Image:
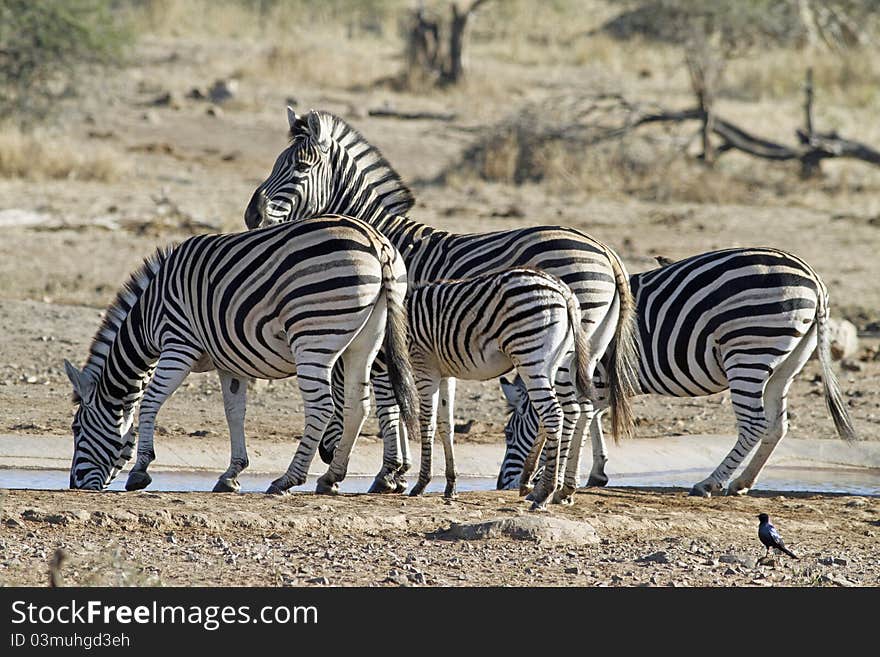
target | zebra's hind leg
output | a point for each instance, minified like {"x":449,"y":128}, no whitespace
{"x":747,"y":381}
{"x":600,"y":452}
{"x":776,"y":409}
{"x":543,"y":398}
{"x":358,"y":359}
{"x":174,"y":364}
{"x":574,"y":429}
{"x":234,"y":402}
{"x":313,"y":378}
{"x":389,"y":422}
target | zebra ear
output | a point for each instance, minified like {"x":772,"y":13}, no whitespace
{"x":291,"y":119}
{"x":317,"y":132}
{"x":83,"y":386}
{"x":516,"y":396}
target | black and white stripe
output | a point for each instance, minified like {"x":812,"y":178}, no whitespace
{"x":482,"y":327}
{"x":330,"y":167}
{"x":291,"y":299}
{"x":742,"y":319}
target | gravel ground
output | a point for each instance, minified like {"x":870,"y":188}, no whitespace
{"x":642,"y":538}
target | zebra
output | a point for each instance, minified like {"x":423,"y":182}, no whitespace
{"x":743,"y":319}
{"x":482,"y":327}
{"x":330,"y":167}
{"x":290,"y":299}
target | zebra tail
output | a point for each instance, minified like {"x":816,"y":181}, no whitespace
{"x":622,"y":355}
{"x":581,"y":359}
{"x":833,"y":396}
{"x":400,"y":372}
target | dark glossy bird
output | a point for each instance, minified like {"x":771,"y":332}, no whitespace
{"x":770,"y":537}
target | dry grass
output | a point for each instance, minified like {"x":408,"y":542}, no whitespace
{"x":41,"y":156}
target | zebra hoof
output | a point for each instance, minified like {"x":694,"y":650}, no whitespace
{"x":226,"y":485}
{"x":704,"y":489}
{"x":274,"y":489}
{"x":137,"y":480}
{"x":383,"y":484}
{"x":539,"y":507}
{"x":597,"y":481}
{"x":737,"y":488}
{"x":450,"y":493}
{"x":418,"y":489}
{"x":400,"y":484}
{"x":324,"y":487}
{"x":564,"y":495}
{"x":525,"y":491}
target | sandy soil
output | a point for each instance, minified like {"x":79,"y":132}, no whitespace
{"x":643,"y":538}
{"x":193,"y":172}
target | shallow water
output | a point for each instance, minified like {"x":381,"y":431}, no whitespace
{"x":837,"y":480}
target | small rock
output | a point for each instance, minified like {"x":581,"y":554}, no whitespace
{"x":837,"y":580}
{"x":833,"y":561}
{"x":573,"y":570}
{"x":323,"y":581}
{"x":223,"y":90}
{"x":12,"y":522}
{"x":654,"y":557}
{"x":851,"y":365}
{"x":214,"y":111}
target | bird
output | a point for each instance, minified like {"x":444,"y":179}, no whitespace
{"x":770,"y":537}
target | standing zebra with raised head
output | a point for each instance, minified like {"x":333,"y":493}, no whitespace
{"x":330,"y":167}
{"x":292,"y":299}
{"x":742,"y":319}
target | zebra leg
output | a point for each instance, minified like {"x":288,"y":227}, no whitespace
{"x":313,"y":378}
{"x":446,"y":427}
{"x":428,"y":400}
{"x":234,"y":403}
{"x":543,"y":398}
{"x":174,"y":364}
{"x":334,"y":429}
{"x":746,"y":390}
{"x":389,"y":421}
{"x":569,"y":451}
{"x":776,"y":409}
{"x":358,"y":358}
{"x":600,"y":451}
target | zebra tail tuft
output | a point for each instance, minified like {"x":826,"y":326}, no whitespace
{"x":833,"y":396}
{"x":400,"y":372}
{"x":623,"y":356}
{"x":580,"y":362}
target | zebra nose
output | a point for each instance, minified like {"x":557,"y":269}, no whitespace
{"x":252,"y":215}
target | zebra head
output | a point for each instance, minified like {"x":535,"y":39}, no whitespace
{"x":328,"y":168}
{"x":103,"y":440}
{"x":299,"y":185}
{"x":520,"y":433}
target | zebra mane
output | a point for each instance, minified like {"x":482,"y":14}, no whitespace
{"x":118,"y":310}
{"x":378,"y":174}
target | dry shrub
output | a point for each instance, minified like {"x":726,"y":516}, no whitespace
{"x":40,"y":156}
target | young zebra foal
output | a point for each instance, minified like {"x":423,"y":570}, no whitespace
{"x":270,"y":303}
{"x":743,"y":319}
{"x":482,"y":327}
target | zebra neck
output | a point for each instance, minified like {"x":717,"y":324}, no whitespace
{"x":403,"y":231}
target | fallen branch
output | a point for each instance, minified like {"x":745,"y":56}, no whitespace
{"x":384,"y":112}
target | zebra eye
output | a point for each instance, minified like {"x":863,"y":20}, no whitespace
{"x":301,"y":166}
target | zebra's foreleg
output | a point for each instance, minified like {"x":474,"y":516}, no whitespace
{"x":446,"y":427}
{"x":174,"y":364}
{"x":543,"y":398}
{"x":573,"y":437}
{"x":234,"y":403}
{"x":428,"y":386}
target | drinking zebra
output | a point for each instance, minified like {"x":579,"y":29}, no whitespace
{"x":291,"y":299}
{"x":742,"y":319}
{"x":330,"y":167}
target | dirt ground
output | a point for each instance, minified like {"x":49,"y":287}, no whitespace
{"x":643,"y":538}
{"x":186,"y":166}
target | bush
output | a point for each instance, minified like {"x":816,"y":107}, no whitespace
{"x":45,"y":43}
